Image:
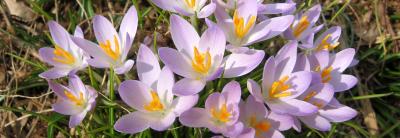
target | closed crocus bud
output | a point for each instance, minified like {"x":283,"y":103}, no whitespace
{"x":75,"y":100}
{"x":66,"y":57}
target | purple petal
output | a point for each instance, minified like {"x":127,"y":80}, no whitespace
{"x":269,"y":28}
{"x":216,"y":74}
{"x":207,"y":10}
{"x":234,"y":130}
{"x":186,"y":86}
{"x":272,"y":133}
{"x":343,"y":82}
{"x":343,"y":59}
{"x":166,"y":5}
{"x":285,"y":59}
{"x":322,"y":57}
{"x":78,"y":32}
{"x":214,"y":100}
{"x":75,"y":120}
{"x":184,"y":103}
{"x":148,"y":68}
{"x":133,"y":123}
{"x":255,"y":90}
{"x":252,"y":108}
{"x":334,"y":33}
{"x":302,"y":63}
{"x":313,"y":13}
{"x":164,"y":123}
{"x":129,"y":25}
{"x":195,"y":117}
{"x":76,"y":85}
{"x":59,"y":34}
{"x":299,"y":82}
{"x":47,"y":55}
{"x":57,"y":89}
{"x":103,"y":29}
{"x":66,"y":108}
{"x":275,"y":8}
{"x":281,"y":122}
{"x":232,"y":92}
{"x":125,"y":67}
{"x":92,"y":49}
{"x":213,"y":39}
{"x":135,"y":94}
{"x":183,"y":34}
{"x":340,"y":114}
{"x":165,"y":83}
{"x":293,"y":107}
{"x":98,"y":63}
{"x":316,"y":121}
{"x":238,"y":64}
{"x":268,"y":74}
{"x":247,"y":8}
{"x":247,"y":133}
{"x":54,"y":73}
{"x":176,"y":62}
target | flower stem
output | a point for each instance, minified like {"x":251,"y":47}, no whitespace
{"x":112,"y":97}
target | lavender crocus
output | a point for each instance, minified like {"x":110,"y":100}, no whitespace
{"x":113,"y":47}
{"x":75,"y":100}
{"x":328,"y":68}
{"x":242,"y":29}
{"x":256,"y":118}
{"x":276,"y":8}
{"x":187,"y":7}
{"x":66,"y":57}
{"x":151,"y":97}
{"x":197,"y":59}
{"x":303,"y":25}
{"x":220,"y":114}
{"x":281,"y":86}
{"x":330,"y":110}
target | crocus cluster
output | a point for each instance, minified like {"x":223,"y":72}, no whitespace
{"x":298,"y":83}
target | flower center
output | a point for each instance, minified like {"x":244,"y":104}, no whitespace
{"x":155,"y":104}
{"x":201,"y":62}
{"x":190,"y":3}
{"x":74,"y":99}
{"x":325,"y":74}
{"x":63,"y":56}
{"x":261,"y":126}
{"x":112,"y":53}
{"x":324,"y":45}
{"x":279,"y":88}
{"x":221,"y":115}
{"x":301,"y":26}
{"x":242,"y":29}
{"x":311,"y":95}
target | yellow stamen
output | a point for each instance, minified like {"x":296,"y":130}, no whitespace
{"x":309,"y":96}
{"x":114,"y":54}
{"x":324,"y":45}
{"x":63,"y":56}
{"x":242,"y":29}
{"x":190,"y":3}
{"x":278,"y":88}
{"x":326,"y":74}
{"x":155,"y":104}
{"x":262,"y":126}
{"x":301,"y":26}
{"x":72,"y":98}
{"x":201,"y":62}
{"x":222,"y":115}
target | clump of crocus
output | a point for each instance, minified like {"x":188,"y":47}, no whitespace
{"x":330,"y":110}
{"x":281,"y":86}
{"x":256,"y":119}
{"x":303,"y":25}
{"x":151,"y":97}
{"x":242,"y":29}
{"x":187,"y":7}
{"x":198,"y":59}
{"x":113,"y":47}
{"x":66,"y":57}
{"x":75,"y":100}
{"x":220,"y":114}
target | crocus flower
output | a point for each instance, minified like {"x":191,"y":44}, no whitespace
{"x":255,"y":117}
{"x":187,"y":7}
{"x":113,"y":47}
{"x":242,"y":29}
{"x":151,"y":97}
{"x":328,"y":68}
{"x":303,"y":25}
{"x":75,"y":100}
{"x":276,"y":8}
{"x":66,"y":57}
{"x":280,"y":86}
{"x":330,"y":110}
{"x":197,"y":59}
{"x":220,"y":114}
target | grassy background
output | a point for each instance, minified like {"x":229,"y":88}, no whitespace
{"x":370,"y":26}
